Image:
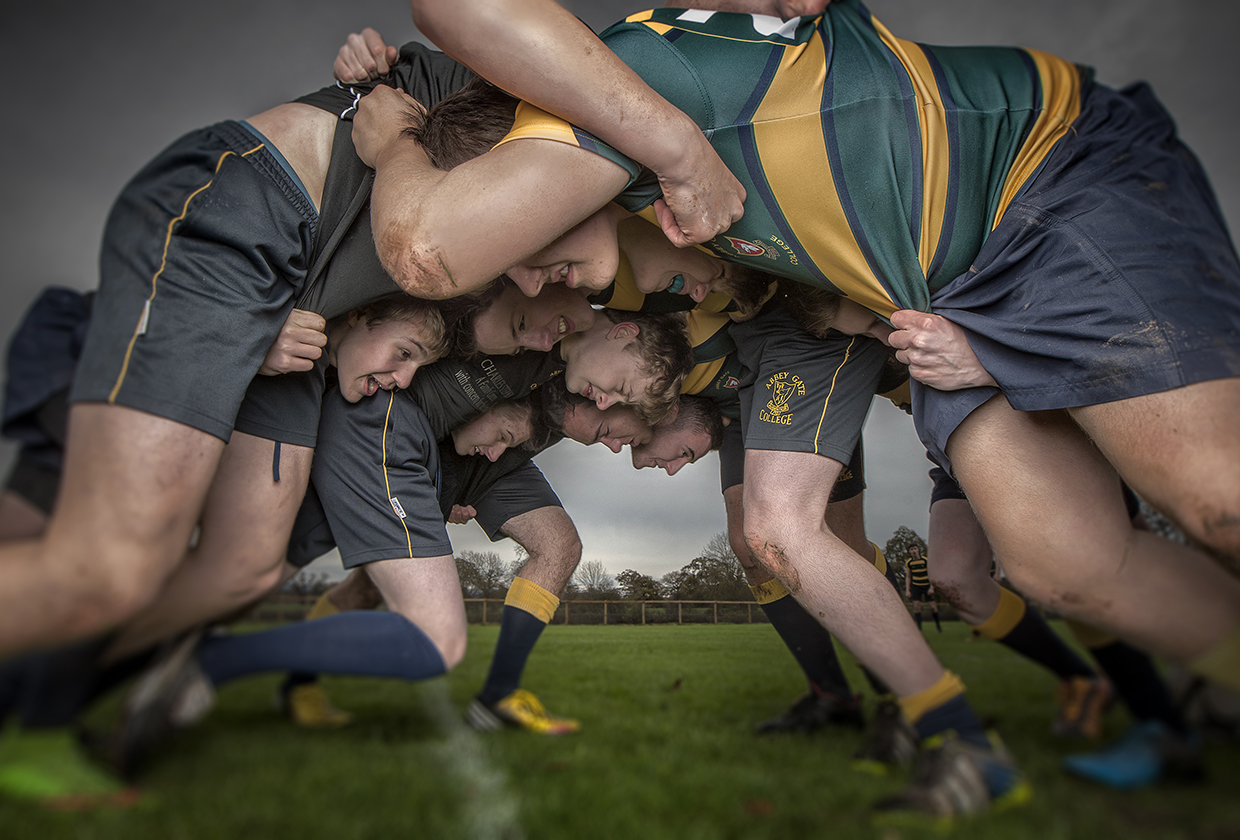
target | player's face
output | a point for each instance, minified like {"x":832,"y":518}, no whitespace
{"x":514,"y":322}
{"x":382,"y":357}
{"x":616,"y":427}
{"x":855,"y":319}
{"x":670,"y":450}
{"x":659,"y":266}
{"x":601,"y":367}
{"x":585,"y":257}
{"x":491,"y":434}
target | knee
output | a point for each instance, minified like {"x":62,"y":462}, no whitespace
{"x":110,"y":595}
{"x":451,"y":643}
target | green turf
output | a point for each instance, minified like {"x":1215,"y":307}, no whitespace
{"x":667,"y":750}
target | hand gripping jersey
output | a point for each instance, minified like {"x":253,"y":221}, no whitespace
{"x":874,"y":166}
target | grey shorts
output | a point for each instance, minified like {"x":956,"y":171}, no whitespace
{"x":377,"y":472}
{"x":203,"y":255}
{"x":849,"y":484}
{"x":801,"y":393}
{"x":498,"y":491}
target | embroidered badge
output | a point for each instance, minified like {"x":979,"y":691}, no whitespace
{"x":782,"y":387}
{"x":746,"y":248}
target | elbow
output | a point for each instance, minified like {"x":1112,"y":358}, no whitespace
{"x":418,"y":271}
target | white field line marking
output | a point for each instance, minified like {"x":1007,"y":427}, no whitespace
{"x":491,"y":810}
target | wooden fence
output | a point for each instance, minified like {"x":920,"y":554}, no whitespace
{"x":289,"y":606}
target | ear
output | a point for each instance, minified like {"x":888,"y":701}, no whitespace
{"x":624,"y":330}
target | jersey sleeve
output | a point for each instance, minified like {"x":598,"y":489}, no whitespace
{"x":536,"y":124}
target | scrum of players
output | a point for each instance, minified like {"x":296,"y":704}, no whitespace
{"x":435,"y":276}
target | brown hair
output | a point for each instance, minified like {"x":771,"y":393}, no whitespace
{"x":403,"y":307}
{"x":464,"y":124}
{"x":662,"y":346}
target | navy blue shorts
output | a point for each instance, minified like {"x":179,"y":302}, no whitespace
{"x":203,"y":255}
{"x":1112,"y":275}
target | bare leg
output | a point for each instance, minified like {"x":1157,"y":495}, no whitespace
{"x":244,"y":533}
{"x":355,"y":592}
{"x":20,"y":520}
{"x":551,"y":539}
{"x":427,"y":591}
{"x":1051,"y":506}
{"x":960,"y":561}
{"x":785,"y":493}
{"x":132,"y":490}
{"x":1180,"y":451}
{"x":845,"y":519}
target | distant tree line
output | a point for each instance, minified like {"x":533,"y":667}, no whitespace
{"x":714,"y":575}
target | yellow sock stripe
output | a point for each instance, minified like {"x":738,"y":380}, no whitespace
{"x":322,"y":608}
{"x":835,"y":376}
{"x":769,"y":592}
{"x":880,"y":559}
{"x":1221,"y":663}
{"x":529,"y":596}
{"x":163,"y":262}
{"x":387,"y":485}
{"x":1090,"y":637}
{"x":1006,"y":616}
{"x":947,"y":688}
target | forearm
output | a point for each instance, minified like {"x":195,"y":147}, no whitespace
{"x":538,"y":51}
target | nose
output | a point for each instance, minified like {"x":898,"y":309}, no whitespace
{"x":529,"y":280}
{"x":404,"y":376}
{"x":613,"y":444}
{"x":673,"y":467}
{"x":494,"y":451}
{"x":605,"y":401}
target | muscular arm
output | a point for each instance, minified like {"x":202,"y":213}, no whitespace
{"x":441,"y":234}
{"x":537,"y":50}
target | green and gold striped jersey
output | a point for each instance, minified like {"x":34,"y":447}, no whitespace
{"x":874,"y":166}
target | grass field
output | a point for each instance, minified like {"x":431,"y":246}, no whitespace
{"x":667,"y":750}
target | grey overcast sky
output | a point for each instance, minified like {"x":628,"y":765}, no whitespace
{"x":96,"y":89}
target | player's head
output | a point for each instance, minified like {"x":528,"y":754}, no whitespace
{"x":819,"y":311}
{"x":505,"y":425}
{"x":587,"y":257}
{"x":914,"y":550}
{"x":378,"y":347}
{"x":695,"y":429}
{"x":465,"y":124}
{"x":632,"y":358}
{"x":659,"y":266}
{"x":583,"y":421}
{"x":510,"y":322}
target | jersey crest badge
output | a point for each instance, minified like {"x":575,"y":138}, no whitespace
{"x":783,"y":387}
{"x":732,"y":382}
{"x":746,"y":248}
